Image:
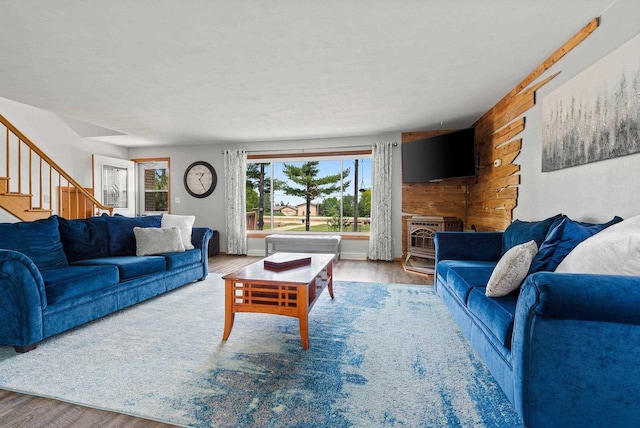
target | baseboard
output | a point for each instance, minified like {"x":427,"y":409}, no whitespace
{"x":352,"y":256}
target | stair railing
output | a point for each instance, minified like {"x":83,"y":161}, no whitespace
{"x":42,"y":172}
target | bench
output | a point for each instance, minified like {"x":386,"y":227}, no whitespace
{"x":302,"y":244}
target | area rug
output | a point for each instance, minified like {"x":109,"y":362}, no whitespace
{"x":380,"y":355}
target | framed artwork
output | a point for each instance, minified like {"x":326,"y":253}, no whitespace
{"x":596,"y":115}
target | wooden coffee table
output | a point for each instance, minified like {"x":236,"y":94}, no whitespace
{"x":291,"y":292}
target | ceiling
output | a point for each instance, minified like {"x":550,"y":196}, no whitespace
{"x":167,"y":72}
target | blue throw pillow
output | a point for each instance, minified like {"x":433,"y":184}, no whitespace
{"x":563,"y":238}
{"x":39,"y":240}
{"x":122,"y":241}
{"x":84,"y":238}
{"x":520,"y":232}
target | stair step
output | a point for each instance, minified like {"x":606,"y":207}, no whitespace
{"x":20,"y":206}
{"x":18,"y":194}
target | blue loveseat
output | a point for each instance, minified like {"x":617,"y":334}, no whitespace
{"x":56,"y":274}
{"x":564,"y":347}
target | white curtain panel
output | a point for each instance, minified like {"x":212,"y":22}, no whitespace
{"x":380,"y":242}
{"x":235,"y":162}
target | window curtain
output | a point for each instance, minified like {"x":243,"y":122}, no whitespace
{"x":380,"y":240}
{"x":235,"y":164}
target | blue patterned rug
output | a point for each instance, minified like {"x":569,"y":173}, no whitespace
{"x":380,"y":355}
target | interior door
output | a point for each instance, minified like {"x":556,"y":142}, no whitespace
{"x":114,"y":183}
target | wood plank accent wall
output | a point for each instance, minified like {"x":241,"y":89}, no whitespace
{"x":486,"y":203}
{"x":495,"y":195}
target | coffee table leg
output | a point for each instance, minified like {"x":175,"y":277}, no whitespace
{"x":228,"y":309}
{"x":303,"y":313}
{"x":330,"y":275}
{"x":304,"y":331}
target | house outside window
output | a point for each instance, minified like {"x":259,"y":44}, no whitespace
{"x":324,"y":194}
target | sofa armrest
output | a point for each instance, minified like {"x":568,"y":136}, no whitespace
{"x":200,"y":237}
{"x":468,"y":246}
{"x":575,"y":350}
{"x":22,"y":300}
{"x":587,"y":297}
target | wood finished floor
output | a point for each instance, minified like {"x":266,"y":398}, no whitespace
{"x":21,"y":410}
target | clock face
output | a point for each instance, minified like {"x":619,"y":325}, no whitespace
{"x":200,"y":179}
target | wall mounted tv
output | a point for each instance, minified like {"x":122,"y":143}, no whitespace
{"x":451,"y":155}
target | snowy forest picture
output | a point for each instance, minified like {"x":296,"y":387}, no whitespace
{"x":595,"y":115}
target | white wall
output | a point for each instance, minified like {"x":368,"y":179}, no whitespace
{"x":64,"y":146}
{"x":210,"y":211}
{"x":595,"y":191}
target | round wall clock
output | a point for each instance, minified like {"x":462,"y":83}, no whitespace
{"x":200,"y":179}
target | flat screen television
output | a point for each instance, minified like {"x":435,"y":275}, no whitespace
{"x":451,"y":155}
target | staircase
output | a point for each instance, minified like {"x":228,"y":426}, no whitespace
{"x":30,"y":178}
{"x":19,"y":204}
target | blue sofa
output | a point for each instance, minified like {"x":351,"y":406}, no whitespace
{"x":56,"y":274}
{"x":564,"y":347}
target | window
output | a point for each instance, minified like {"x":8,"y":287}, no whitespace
{"x":153,"y":186}
{"x":320,"y":194}
{"x":156,"y":190}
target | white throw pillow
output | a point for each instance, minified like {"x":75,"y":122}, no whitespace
{"x":511,"y":270}
{"x":184,"y":223}
{"x":156,"y":240}
{"x":615,"y":251}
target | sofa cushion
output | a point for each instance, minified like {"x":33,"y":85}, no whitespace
{"x":562,"y":239}
{"x":495,"y":314}
{"x":71,"y":281}
{"x":511,"y":269}
{"x":122,"y":241}
{"x":520,"y":232}
{"x":39,"y":240}
{"x":129,"y":266}
{"x":461,"y":276}
{"x":184,"y":223}
{"x":178,"y":260}
{"x":615,"y":250}
{"x":157,"y":240}
{"x":84,"y":238}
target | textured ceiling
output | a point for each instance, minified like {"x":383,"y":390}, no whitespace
{"x":205,"y":71}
